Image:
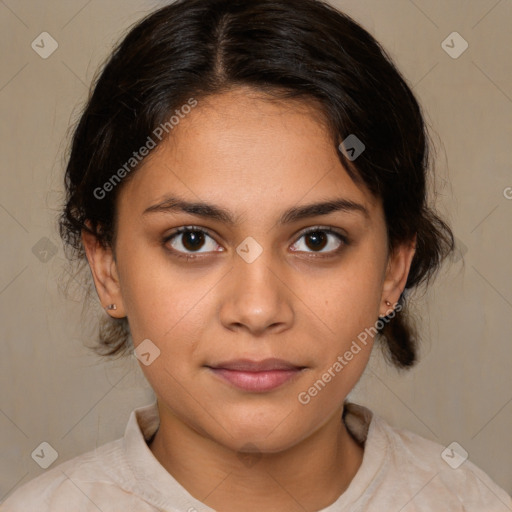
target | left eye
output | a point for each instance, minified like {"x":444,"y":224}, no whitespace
{"x":318,"y":239}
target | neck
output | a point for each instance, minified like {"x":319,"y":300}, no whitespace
{"x":308,"y":476}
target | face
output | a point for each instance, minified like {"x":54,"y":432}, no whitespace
{"x":254,"y":304}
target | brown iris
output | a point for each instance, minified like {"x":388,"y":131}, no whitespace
{"x":318,"y":240}
{"x":193,"y":240}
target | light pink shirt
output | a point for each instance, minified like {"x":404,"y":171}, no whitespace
{"x":400,"y":472}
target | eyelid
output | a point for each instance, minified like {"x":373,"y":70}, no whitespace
{"x":328,"y":229}
{"x":186,"y":229}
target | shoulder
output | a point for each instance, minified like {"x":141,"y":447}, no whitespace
{"x":83,"y":475}
{"x":435,"y":474}
{"x":101,"y":479}
{"x":404,"y":471}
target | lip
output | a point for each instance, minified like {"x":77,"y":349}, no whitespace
{"x":256,"y":376}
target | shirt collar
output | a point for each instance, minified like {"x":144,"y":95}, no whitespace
{"x":157,"y":486}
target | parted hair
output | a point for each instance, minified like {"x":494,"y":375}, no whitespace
{"x":289,"y":49}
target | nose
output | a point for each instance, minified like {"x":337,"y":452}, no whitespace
{"x":257,"y":298}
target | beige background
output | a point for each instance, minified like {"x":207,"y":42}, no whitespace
{"x":54,"y":390}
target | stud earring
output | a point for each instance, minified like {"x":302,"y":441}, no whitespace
{"x":111,"y":307}
{"x":388,"y":304}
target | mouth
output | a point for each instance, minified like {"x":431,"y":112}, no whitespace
{"x":256,"y":376}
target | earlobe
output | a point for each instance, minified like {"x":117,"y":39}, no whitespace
{"x":104,"y":272}
{"x":399,"y":265}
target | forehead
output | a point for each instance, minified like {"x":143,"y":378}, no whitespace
{"x":241,"y":148}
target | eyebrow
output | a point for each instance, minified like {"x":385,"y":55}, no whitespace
{"x":213,"y":212}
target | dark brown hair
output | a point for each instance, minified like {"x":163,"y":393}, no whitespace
{"x":305,"y":50}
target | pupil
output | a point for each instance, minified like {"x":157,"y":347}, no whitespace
{"x":319,"y":240}
{"x":193,"y":240}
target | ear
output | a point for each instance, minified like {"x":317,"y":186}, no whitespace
{"x":104,"y":272}
{"x":399,"y":264}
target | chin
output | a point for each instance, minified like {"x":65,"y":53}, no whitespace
{"x":261,"y":443}
{"x":265,"y":436}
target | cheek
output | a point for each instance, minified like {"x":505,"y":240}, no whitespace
{"x":341,"y":355}
{"x":350,"y":297}
{"x":155,"y":295}
{"x":348,"y":305}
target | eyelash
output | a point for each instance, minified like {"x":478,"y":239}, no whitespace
{"x":193,"y":229}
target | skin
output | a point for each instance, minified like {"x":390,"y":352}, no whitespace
{"x":233,"y":449}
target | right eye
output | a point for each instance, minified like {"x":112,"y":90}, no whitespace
{"x":189,"y":240}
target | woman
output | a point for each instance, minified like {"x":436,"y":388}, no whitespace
{"x":247,"y":183}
